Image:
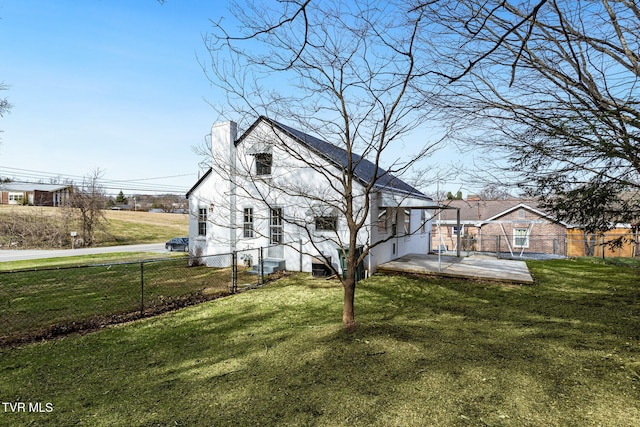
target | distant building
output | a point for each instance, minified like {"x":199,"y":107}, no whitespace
{"x":29,"y":193}
{"x":520,"y":227}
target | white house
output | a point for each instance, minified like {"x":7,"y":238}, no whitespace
{"x":277,"y":187}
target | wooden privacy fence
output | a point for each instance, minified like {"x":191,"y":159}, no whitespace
{"x":573,"y":243}
{"x":581,"y":244}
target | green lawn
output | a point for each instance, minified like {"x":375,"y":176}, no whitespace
{"x":564,"y":352}
{"x":61,"y":262}
{"x":86,"y":292}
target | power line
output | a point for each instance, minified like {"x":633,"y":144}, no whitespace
{"x":129,"y":185}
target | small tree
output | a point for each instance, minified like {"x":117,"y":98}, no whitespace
{"x":4,"y":102}
{"x":451,"y":196}
{"x":5,"y":106}
{"x":120,"y":199}
{"x":494,"y":192}
{"x":87,"y":202}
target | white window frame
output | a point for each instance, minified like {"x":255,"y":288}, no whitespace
{"x":247,"y":223}
{"x":519,"y":240}
{"x":407,"y":221}
{"x":276,"y":226}
{"x":16,"y":198}
{"x":382,"y":221}
{"x":203,"y":214}
{"x":454,"y":230}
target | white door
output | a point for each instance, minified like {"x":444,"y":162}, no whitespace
{"x":276,"y":234}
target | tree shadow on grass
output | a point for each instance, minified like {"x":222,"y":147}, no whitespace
{"x":461,"y":354}
{"x":427,"y":352}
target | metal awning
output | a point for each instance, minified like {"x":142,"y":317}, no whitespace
{"x":389,"y":200}
{"x":322,"y":209}
{"x":259,"y":148}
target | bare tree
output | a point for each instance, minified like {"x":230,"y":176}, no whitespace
{"x":4,"y":102}
{"x":349,"y":73}
{"x":87,"y":203}
{"x":5,"y":106}
{"x":554,"y":92}
{"x":494,"y":192}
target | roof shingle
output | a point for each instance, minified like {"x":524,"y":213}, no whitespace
{"x":364,"y":170}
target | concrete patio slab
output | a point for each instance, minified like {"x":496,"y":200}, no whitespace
{"x":472,"y":267}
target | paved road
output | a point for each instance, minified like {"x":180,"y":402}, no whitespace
{"x":27,"y":254}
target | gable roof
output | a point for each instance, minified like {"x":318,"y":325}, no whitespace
{"x":479,"y":212}
{"x":365,"y":171}
{"x":198,"y":182}
{"x":529,"y":208}
{"x":31,"y":186}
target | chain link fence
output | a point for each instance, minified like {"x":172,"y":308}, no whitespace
{"x":558,"y":246}
{"x":608,"y":245}
{"x":530,"y":247}
{"x":44,"y":303}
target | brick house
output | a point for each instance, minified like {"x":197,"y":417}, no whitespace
{"x":514,"y":227}
{"x":511,"y":225}
{"x":35,"y":194}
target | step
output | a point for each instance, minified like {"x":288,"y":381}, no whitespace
{"x":269,"y":266}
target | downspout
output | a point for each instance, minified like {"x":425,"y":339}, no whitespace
{"x":233,"y":187}
{"x":459,"y":232}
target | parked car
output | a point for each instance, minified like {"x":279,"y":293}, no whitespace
{"x":178,"y":244}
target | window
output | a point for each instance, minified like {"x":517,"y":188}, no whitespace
{"x":263,"y":163}
{"x":454,"y":230}
{"x":247,"y":226}
{"x":326,"y":223}
{"x":407,"y":222}
{"x":275,"y":226}
{"x":382,"y":220}
{"x":521,"y":237}
{"x":202,"y":222}
{"x":16,"y":198}
{"x":423,"y":221}
{"x":393,"y":213}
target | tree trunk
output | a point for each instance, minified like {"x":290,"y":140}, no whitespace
{"x":589,"y":244}
{"x":348,"y":308}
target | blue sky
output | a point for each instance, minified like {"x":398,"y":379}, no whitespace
{"x":111,"y":84}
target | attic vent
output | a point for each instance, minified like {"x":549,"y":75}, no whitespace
{"x":521,"y":213}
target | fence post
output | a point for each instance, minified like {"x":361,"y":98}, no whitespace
{"x":261,"y":264}
{"x":141,"y":288}
{"x":301,"y":260}
{"x":234,"y":272}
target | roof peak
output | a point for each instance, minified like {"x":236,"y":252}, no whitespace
{"x":365,"y":170}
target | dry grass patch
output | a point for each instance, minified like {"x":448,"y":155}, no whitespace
{"x":121,"y":227}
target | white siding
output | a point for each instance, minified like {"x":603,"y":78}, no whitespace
{"x":226,"y":203}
